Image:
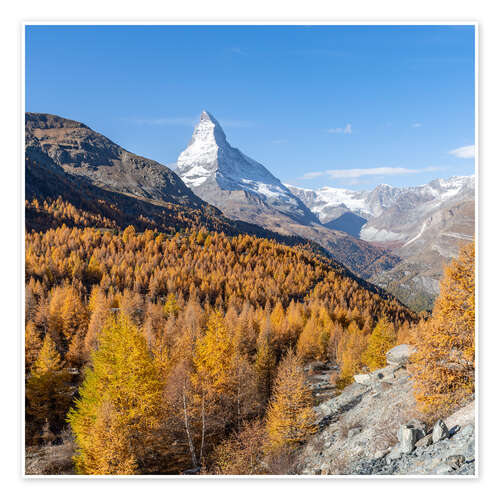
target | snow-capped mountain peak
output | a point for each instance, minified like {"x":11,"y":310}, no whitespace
{"x":199,"y":160}
{"x":210,"y":163}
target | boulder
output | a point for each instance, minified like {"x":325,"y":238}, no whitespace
{"x":425,"y":441}
{"x":407,"y":436}
{"x":394,"y":454}
{"x":440,"y":431}
{"x":420,"y":427}
{"x":386,"y":373}
{"x":381,"y":454}
{"x":400,"y":354}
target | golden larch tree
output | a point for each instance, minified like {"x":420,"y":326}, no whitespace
{"x":290,"y":418}
{"x":381,"y":340}
{"x":444,"y":363}
{"x":47,"y":389}
{"x":123,"y":377}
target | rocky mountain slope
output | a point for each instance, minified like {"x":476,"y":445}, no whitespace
{"x":67,"y":160}
{"x":245,"y":190}
{"x":81,"y":151}
{"x":423,"y":225}
{"x":373,"y":427}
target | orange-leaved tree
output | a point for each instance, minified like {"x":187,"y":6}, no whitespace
{"x":444,"y":363}
{"x":47,"y":390}
{"x":380,"y":341}
{"x":117,"y":411}
{"x":290,"y":418}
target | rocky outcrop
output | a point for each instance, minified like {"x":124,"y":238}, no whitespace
{"x":373,"y":427}
{"x":440,"y":431}
{"x":399,"y":355}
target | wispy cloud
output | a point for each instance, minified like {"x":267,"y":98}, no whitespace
{"x":464,"y":152}
{"x":355,"y":173}
{"x":339,"y":130}
{"x":416,"y":125}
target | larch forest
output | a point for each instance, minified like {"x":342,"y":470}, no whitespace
{"x":149,"y":352}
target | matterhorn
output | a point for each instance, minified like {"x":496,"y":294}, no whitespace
{"x":241,"y":187}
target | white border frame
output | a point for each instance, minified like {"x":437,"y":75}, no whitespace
{"x":242,"y":23}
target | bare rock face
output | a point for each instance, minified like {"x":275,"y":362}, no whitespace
{"x":81,"y":151}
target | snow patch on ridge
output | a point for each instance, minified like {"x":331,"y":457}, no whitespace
{"x":372,"y":203}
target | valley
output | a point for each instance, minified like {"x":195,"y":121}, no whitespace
{"x":234,"y":295}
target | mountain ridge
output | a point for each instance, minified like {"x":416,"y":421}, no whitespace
{"x":244,"y":189}
{"x":424,"y":225}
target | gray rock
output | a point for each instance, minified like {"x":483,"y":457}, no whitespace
{"x":394,"y":454}
{"x":425,"y":441}
{"x":455,"y":461}
{"x":407,"y":436}
{"x":468,"y":430}
{"x":400,"y":354}
{"x":386,"y":373}
{"x":419,"y":426}
{"x":380,"y":454}
{"x":440,"y":431}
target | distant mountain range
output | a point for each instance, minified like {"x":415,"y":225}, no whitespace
{"x":398,"y":238}
{"x":423,"y":225}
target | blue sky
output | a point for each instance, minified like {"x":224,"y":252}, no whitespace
{"x":345,"y":106}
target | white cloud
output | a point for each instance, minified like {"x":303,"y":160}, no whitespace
{"x":355,"y":173}
{"x":416,"y":125}
{"x":339,"y":130}
{"x":464,"y":152}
